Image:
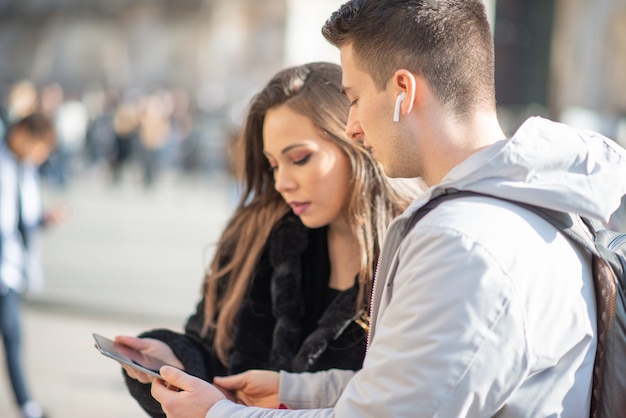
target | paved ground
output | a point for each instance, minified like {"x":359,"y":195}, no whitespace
{"x":126,"y":260}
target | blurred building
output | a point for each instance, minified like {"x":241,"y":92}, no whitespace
{"x":565,"y":59}
{"x":589,"y":65}
{"x":217,"y":49}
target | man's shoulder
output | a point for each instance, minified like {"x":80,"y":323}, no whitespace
{"x":477,"y":215}
{"x":500,"y":233}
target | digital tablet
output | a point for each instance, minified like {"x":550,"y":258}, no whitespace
{"x":129,"y":356}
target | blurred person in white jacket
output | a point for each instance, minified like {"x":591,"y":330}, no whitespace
{"x":484,"y":309}
{"x":27,"y":145}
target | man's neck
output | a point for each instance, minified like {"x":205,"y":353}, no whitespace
{"x":459,"y":139}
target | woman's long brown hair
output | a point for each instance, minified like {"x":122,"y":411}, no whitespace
{"x":313,"y":90}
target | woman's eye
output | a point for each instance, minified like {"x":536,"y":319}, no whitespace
{"x":302,"y":160}
{"x":353,"y":102}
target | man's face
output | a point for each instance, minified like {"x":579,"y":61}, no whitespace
{"x":28,"y":148}
{"x":371,"y":119}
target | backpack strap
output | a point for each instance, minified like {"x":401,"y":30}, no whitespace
{"x":583,"y":231}
{"x":580,"y":230}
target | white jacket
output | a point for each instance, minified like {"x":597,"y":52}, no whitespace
{"x":487,"y":310}
{"x":20,"y":268}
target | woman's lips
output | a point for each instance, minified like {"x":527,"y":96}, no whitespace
{"x":299,"y":207}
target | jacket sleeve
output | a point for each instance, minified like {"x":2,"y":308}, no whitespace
{"x":228,"y":409}
{"x":191,"y":349}
{"x":313,"y":390}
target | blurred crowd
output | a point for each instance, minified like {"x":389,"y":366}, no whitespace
{"x":122,"y":131}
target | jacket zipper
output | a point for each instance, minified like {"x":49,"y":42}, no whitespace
{"x":371,"y":327}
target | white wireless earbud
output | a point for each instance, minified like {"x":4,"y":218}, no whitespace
{"x":396,"y":112}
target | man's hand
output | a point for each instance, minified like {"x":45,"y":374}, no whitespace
{"x":193,"y":400}
{"x":254,"y":387}
{"x":55,"y":215}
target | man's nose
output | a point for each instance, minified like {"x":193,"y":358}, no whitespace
{"x":353,"y":127}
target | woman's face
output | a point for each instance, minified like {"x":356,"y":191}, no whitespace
{"x":310,"y":172}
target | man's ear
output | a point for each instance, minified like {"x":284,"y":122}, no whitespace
{"x":396,"y":109}
{"x":404,"y":81}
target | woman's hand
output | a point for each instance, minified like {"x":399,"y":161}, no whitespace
{"x":149,"y":346}
{"x":253,"y":388}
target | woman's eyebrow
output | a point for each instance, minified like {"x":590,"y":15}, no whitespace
{"x":290,"y":147}
{"x":286,"y":149}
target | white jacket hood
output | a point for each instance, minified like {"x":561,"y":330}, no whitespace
{"x":546,"y":164}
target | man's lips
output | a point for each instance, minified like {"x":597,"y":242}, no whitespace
{"x":299,"y":207}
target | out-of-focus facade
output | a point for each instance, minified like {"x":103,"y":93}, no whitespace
{"x":216,"y":49}
{"x":565,"y":59}
{"x":588,"y":65}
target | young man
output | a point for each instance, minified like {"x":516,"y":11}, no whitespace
{"x":28,"y":144}
{"x":483,"y":309}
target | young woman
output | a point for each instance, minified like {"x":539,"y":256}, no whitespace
{"x":289,"y":285}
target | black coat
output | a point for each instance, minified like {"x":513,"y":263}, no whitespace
{"x":289,"y":320}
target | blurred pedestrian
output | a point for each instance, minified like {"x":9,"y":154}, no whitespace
{"x":155,"y":130}
{"x":27,"y":144}
{"x":125,"y":125}
{"x":71,"y":122}
{"x":21,"y":100}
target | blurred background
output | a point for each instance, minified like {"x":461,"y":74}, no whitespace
{"x":147,"y":95}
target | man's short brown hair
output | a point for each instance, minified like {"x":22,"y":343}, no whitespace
{"x":38,"y":127}
{"x":448,"y":42}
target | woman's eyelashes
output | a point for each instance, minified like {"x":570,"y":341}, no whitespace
{"x":299,"y":160}
{"x":302,"y":160}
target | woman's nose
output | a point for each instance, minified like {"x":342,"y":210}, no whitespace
{"x":283,"y":181}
